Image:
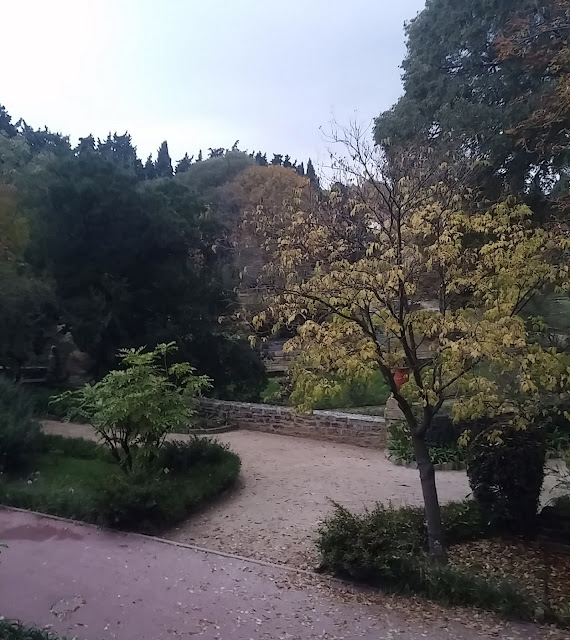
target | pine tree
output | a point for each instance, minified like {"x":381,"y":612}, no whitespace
{"x":199,"y":158}
{"x":261,"y":159}
{"x":277,"y":159}
{"x":312,"y":174}
{"x":287,"y":161}
{"x":300,"y":169}
{"x":184,"y":164}
{"x":149,"y":169}
{"x":163,"y":165}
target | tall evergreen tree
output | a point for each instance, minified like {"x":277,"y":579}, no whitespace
{"x":300,"y":169}
{"x":261,"y":159}
{"x":312,"y":174}
{"x":183,"y":164}
{"x":149,"y":169}
{"x":199,"y":158}
{"x":6,"y":122}
{"x":277,"y":159}
{"x":85,"y":145}
{"x":163,"y":164}
{"x":287,"y":161}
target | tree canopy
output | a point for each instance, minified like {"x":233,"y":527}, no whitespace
{"x":401,"y":265}
{"x":478,"y":74}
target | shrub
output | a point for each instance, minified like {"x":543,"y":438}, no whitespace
{"x":134,"y":408}
{"x":12,"y":630}
{"x":387,"y":547}
{"x":20,"y":433}
{"x":74,"y":448}
{"x":506,"y":475}
{"x":150,"y":502}
{"x":371,"y":546}
{"x":441,"y":438}
{"x":78,"y":479}
{"x":179,"y":456}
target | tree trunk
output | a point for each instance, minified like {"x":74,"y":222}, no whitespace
{"x":436,"y":537}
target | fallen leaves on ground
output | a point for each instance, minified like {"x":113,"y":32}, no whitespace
{"x":542,"y":570}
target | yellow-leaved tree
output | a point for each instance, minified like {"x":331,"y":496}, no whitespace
{"x":398,"y":266}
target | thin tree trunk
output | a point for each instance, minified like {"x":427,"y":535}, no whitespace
{"x":436,"y":536}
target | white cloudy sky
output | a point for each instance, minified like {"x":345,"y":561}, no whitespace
{"x":203,"y":73}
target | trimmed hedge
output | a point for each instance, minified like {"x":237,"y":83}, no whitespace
{"x":77,"y":479}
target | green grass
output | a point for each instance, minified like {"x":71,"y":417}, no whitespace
{"x":12,"y":630}
{"x":77,"y":479}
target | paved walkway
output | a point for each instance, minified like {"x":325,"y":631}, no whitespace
{"x":97,"y":585}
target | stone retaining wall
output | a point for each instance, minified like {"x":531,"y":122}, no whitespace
{"x":363,"y":431}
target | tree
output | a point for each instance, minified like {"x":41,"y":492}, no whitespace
{"x":163,"y":164}
{"x":199,"y":158}
{"x":120,"y":149}
{"x":404,"y":269}
{"x":287,"y":161}
{"x":86,"y":145}
{"x":183,"y":164}
{"x":27,"y":308}
{"x":277,"y":159}
{"x":466,"y":85}
{"x":149,"y":169}
{"x":300,"y":169}
{"x":261,"y":159}
{"x":6,"y":125}
{"x":542,"y":46}
{"x":312,"y":174}
{"x":136,"y":264}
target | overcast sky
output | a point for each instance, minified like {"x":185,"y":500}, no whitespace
{"x":204,"y":73}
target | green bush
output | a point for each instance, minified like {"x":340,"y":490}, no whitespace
{"x":387,"y":548}
{"x":441,"y":439}
{"x":335,"y":392}
{"x":149,"y":502}
{"x":134,"y":408}
{"x":74,"y":448}
{"x":12,"y":630}
{"x":506,"y":478}
{"x":179,"y":456}
{"x":78,"y":479}
{"x":20,"y":433}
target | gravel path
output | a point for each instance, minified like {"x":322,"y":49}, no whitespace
{"x":285,"y":490}
{"x":91,"y":584}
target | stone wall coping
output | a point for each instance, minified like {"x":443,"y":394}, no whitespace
{"x":273,"y":409}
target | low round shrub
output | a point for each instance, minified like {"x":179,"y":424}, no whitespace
{"x":506,"y":477}
{"x":20,"y":434}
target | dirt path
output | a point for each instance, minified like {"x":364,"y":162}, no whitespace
{"x":90,"y":584}
{"x":285,"y":490}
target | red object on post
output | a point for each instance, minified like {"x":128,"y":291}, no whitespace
{"x":401,"y":376}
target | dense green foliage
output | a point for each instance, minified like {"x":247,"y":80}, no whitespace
{"x":13,"y":630}
{"x":506,"y":476}
{"x":316,"y":389}
{"x":441,"y":438}
{"x":116,"y":254}
{"x":78,"y":479}
{"x":133,"y":408}
{"x":461,"y":89}
{"x":19,"y":430}
{"x":387,"y":547}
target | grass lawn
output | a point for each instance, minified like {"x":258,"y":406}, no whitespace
{"x":78,"y":479}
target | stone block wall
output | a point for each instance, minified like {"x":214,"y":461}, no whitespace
{"x":333,"y":426}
